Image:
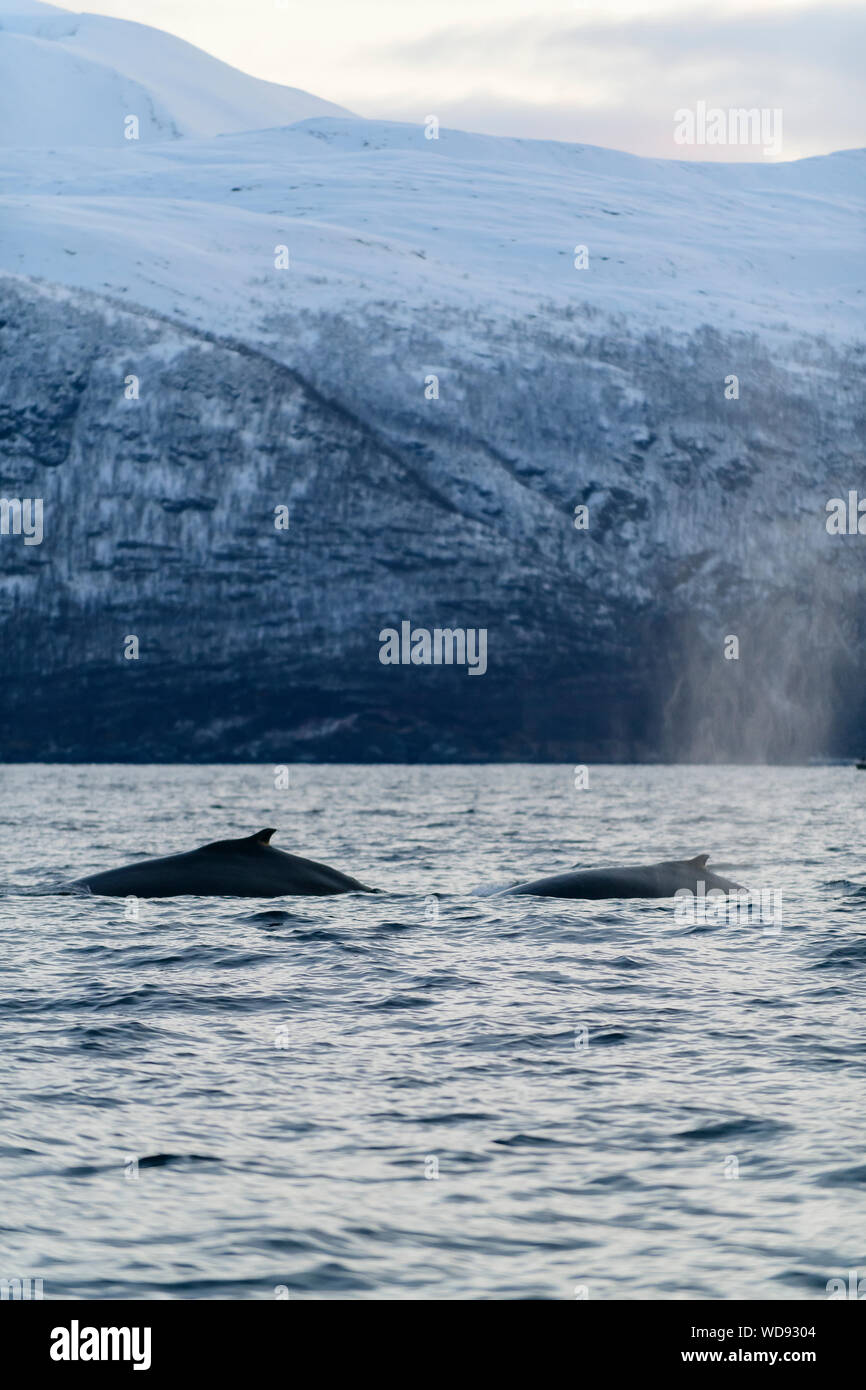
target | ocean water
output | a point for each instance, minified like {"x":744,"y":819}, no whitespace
{"x":428,"y":1094}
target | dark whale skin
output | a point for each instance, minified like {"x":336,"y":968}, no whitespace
{"x":247,"y":868}
{"x":646,"y":881}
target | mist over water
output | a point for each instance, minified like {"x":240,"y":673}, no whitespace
{"x":791,"y":693}
{"x":282,"y":1079}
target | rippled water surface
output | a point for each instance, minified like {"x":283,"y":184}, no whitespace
{"x":291,"y":1074}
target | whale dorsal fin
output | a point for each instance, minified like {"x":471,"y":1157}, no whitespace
{"x":246,"y":842}
{"x":699,"y":861}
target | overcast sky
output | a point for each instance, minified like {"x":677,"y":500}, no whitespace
{"x":605,"y":72}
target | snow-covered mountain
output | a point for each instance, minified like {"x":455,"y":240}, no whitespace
{"x":401,"y":339}
{"x":372,"y":212}
{"x":75,"y":79}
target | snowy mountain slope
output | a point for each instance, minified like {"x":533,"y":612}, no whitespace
{"x":263,"y":645}
{"x":373,"y":212}
{"x":306,"y":385}
{"x":72,"y":79}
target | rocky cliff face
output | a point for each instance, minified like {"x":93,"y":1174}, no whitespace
{"x":705,"y":520}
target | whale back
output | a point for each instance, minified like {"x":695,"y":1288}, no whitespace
{"x":642,"y":881}
{"x":250,"y":867}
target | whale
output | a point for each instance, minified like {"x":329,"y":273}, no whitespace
{"x":643,"y":881}
{"x":245,"y":868}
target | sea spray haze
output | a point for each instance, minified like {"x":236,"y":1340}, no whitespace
{"x":431,"y":1094}
{"x":281,"y":389}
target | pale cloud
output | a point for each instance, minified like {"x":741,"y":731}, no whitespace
{"x":609,"y":81}
{"x":605,"y":72}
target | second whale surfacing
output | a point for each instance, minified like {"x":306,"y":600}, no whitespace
{"x":247,"y":868}
{"x":646,"y":881}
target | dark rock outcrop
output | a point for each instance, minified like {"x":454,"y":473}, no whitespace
{"x":706,"y":519}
